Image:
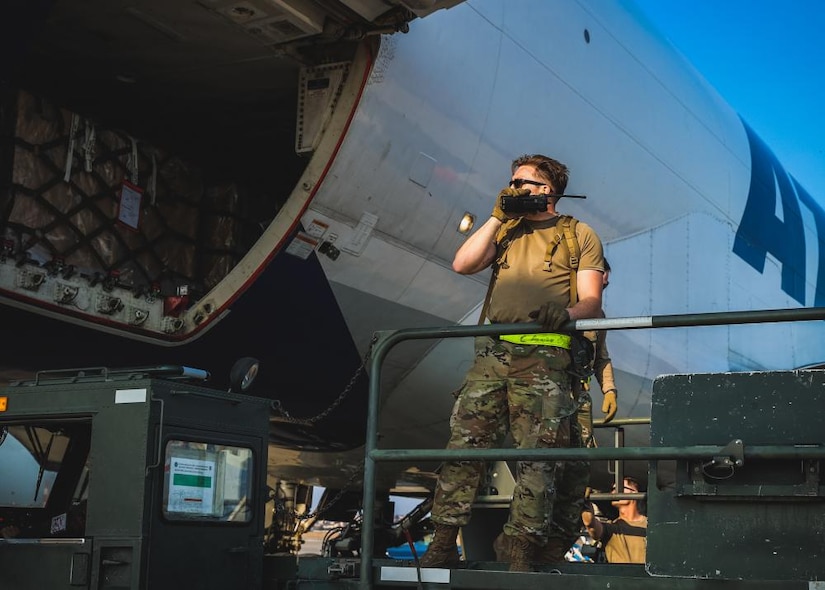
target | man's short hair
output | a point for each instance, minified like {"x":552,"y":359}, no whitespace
{"x":553,"y":171}
{"x":634,"y":482}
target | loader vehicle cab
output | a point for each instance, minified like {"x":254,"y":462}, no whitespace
{"x":136,"y":478}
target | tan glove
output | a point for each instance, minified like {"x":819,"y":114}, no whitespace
{"x":508,"y":192}
{"x":609,"y":405}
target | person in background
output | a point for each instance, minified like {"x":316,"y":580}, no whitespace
{"x":625,"y":538}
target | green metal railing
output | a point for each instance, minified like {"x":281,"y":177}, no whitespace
{"x":388,"y":339}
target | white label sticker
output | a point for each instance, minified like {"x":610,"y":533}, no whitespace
{"x":130,"y":396}
{"x":192,"y":486}
{"x":361,"y":234}
{"x":317,"y":228}
{"x":302,"y":246}
{"x":58,"y":524}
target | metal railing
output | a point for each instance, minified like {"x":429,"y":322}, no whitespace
{"x":388,"y":339}
{"x":618,"y":424}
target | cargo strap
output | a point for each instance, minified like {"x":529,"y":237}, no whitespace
{"x":542,"y":339}
{"x":70,"y":152}
{"x":568,"y":226}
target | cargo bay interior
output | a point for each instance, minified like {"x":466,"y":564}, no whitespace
{"x":193,"y":106}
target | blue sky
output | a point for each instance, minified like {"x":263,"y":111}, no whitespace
{"x":765,"y":57}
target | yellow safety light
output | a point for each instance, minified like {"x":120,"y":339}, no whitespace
{"x":4,"y":402}
{"x":466,"y":224}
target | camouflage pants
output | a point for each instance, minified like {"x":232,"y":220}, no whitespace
{"x":573,"y":477}
{"x":523,"y":389}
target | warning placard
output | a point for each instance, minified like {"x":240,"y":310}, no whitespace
{"x":191,"y":486}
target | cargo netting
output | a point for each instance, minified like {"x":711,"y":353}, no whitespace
{"x":79,"y":195}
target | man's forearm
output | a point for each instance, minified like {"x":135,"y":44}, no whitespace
{"x":479,"y":250}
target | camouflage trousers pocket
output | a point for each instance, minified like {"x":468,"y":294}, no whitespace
{"x":556,"y":433}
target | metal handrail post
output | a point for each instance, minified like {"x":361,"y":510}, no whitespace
{"x":379,"y":351}
{"x":384,"y":342}
{"x":618,"y":464}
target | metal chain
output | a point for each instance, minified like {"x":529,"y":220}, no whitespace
{"x":279,"y":506}
{"x":278,"y":407}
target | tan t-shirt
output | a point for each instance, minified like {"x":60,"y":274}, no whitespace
{"x":625,"y":542}
{"x":525,"y":281}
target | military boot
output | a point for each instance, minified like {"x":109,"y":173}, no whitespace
{"x":442,"y":551}
{"x":553,"y":552}
{"x":522,"y":552}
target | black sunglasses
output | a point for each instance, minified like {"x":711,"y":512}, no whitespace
{"x":626,"y":489}
{"x":519,"y":182}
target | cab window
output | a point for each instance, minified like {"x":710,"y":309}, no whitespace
{"x":45,"y":479}
{"x":30,"y":458}
{"x":207,"y":482}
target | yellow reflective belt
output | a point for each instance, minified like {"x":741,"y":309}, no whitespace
{"x":546,"y":339}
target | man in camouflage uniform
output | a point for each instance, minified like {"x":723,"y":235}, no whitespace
{"x":520,"y":383}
